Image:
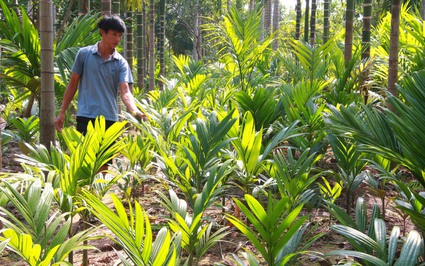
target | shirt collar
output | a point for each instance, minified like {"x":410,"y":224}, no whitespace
{"x":96,"y":51}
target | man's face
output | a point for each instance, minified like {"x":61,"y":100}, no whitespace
{"x":112,"y":38}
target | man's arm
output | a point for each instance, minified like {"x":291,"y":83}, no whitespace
{"x":128,"y":101}
{"x":69,"y":94}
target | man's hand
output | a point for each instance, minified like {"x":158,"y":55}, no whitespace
{"x":59,"y":122}
{"x":139,"y":114}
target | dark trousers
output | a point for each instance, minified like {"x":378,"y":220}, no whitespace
{"x":83,"y":122}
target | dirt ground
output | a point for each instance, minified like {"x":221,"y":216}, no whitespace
{"x":105,"y":249}
{"x":235,"y":242}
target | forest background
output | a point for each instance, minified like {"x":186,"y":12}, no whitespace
{"x":259,"y":117}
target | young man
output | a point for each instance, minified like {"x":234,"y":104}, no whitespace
{"x":100,"y":73}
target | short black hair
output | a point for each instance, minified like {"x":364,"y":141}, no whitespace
{"x":111,"y":22}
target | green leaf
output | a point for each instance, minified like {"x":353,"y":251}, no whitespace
{"x":270,"y":230}
{"x":117,"y":223}
{"x":259,"y":210}
{"x":340,"y":214}
{"x":381,"y":237}
{"x":358,"y":239}
{"x":3,"y":244}
{"x":410,"y":250}
{"x":161,"y":246}
{"x":292,"y":230}
{"x":246,"y":231}
{"x":22,"y":245}
{"x":392,"y":245}
{"x":250,"y":214}
{"x":47,"y":260}
{"x":120,"y":210}
{"x":360,"y":255}
{"x":361,"y":214}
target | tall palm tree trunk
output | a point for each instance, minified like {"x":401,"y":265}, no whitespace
{"x":195,"y":36}
{"x":313,"y":22}
{"x":306,"y":18}
{"x":298,"y":11}
{"x":105,"y":7}
{"x":116,"y":7}
{"x":267,"y":15}
{"x":30,"y":9}
{"x":140,"y":39}
{"x":152,"y":45}
{"x":367,"y":17}
{"x":47,"y":104}
{"x":196,"y":33}
{"x":276,"y":20}
{"x":349,"y":20}
{"x":326,"y":22}
{"x":161,"y":42}
{"x":129,"y":40}
{"x":251,"y":5}
{"x":423,"y":10}
{"x":393,"y":54}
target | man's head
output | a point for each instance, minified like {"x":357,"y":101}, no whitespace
{"x":112,"y":22}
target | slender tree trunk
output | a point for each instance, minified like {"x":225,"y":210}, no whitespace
{"x":47,"y":104}
{"x":313,"y":22}
{"x":141,"y":59}
{"x":423,"y":10}
{"x":267,"y":13}
{"x":145,"y":42}
{"x":84,"y":219}
{"x":195,"y":36}
{"x":116,"y":7}
{"x":393,"y":60}
{"x":276,"y":20}
{"x":326,"y":22}
{"x":70,"y":234}
{"x":152,"y":45}
{"x":251,"y":5}
{"x":200,"y":40}
{"x":298,"y":11}
{"x":30,"y":9}
{"x":105,"y":7}
{"x":161,"y":42}
{"x":348,"y":204}
{"x":83,"y":7}
{"x":367,"y":17}
{"x":196,"y":33}
{"x":349,"y":19}
{"x":129,"y":40}
{"x":306,"y":22}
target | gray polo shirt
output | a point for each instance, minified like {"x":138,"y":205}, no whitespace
{"x":99,"y":82}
